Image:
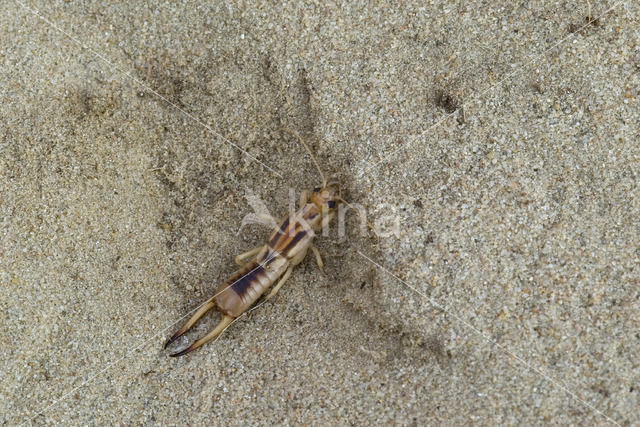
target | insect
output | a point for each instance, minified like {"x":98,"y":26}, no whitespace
{"x":287,"y":247}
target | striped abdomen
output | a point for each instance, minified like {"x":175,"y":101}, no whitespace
{"x":244,"y":288}
{"x":287,"y":246}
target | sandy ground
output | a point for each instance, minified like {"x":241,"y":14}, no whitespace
{"x":504,"y":138}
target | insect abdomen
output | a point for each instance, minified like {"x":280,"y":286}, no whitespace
{"x":245,"y":286}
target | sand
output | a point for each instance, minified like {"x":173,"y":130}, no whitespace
{"x":502,"y":138}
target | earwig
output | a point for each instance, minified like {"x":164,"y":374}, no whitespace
{"x":287,"y":247}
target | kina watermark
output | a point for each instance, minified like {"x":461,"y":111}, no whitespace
{"x":383,"y":220}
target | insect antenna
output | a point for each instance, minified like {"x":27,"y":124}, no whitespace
{"x":324,"y":180}
{"x":306,"y":147}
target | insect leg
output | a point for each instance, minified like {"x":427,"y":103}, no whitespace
{"x":240,"y":259}
{"x":224,"y":322}
{"x":326,"y":221}
{"x":277,"y":287}
{"x":316,"y":252}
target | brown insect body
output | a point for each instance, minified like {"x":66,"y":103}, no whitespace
{"x":287,"y":247}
